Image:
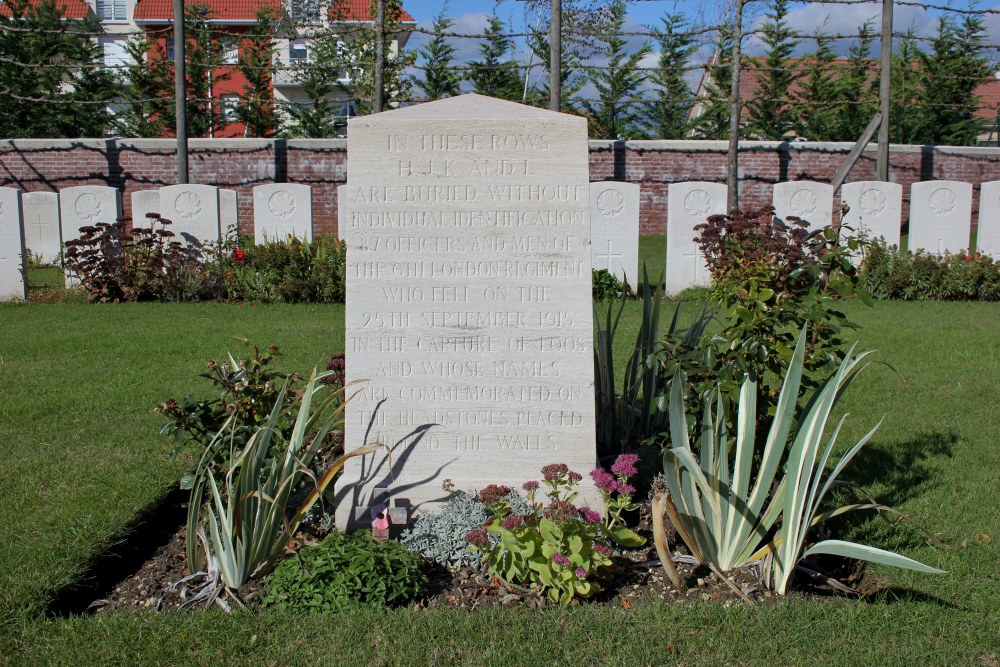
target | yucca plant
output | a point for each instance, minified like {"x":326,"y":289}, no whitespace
{"x":720,"y":501}
{"x":629,"y":417}
{"x":248,"y":527}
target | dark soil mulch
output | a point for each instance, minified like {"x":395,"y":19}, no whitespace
{"x":638,"y":580}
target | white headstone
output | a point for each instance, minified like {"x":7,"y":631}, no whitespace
{"x":988,"y":234}
{"x":614,"y":229}
{"x":144,"y":202}
{"x":689,"y":204}
{"x":194,"y":212}
{"x":12,"y":264}
{"x":41,"y":224}
{"x":940,"y":216}
{"x":874,"y":209}
{"x":281,"y":210}
{"x":229,"y":211}
{"x":342,"y":211}
{"x":469,"y":308}
{"x":809,"y":200}
{"x":86,"y":206}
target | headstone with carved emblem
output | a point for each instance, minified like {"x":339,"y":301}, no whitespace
{"x":282,"y":210}
{"x":614,"y":229}
{"x":194,"y":212}
{"x":41,"y":225}
{"x":940,"y":216}
{"x":86,"y":206}
{"x":988,"y":230}
{"x":809,"y":200}
{"x":689,"y":204}
{"x":12,"y":260}
{"x":873,"y":210}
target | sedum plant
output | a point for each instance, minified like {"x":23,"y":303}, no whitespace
{"x":246,"y":512}
{"x":720,"y":498}
{"x":345,"y":571}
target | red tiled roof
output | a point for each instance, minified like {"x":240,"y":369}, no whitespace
{"x":246,"y":10}
{"x":71,"y":9}
{"x":218,"y":10}
{"x":359,"y":10}
{"x":988,"y":93}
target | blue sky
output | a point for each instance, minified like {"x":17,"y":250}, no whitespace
{"x":471,"y":15}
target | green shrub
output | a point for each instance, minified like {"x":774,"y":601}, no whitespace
{"x":345,"y":571}
{"x":291,"y":271}
{"x":606,"y":286}
{"x":890,"y":273}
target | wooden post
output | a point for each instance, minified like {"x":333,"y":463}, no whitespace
{"x":732,"y":176}
{"x":379,"y":101}
{"x":180,"y":93}
{"x":882,"y":162}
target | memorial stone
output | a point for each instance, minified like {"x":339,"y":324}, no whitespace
{"x":988,"y":234}
{"x":874,"y":209}
{"x":194,"y":212}
{"x":689,"y":204}
{"x":41,"y":225}
{"x":809,"y":200}
{"x":469,"y":313}
{"x":143,"y":203}
{"x":86,"y":206}
{"x":940,"y":216}
{"x":12,"y":263}
{"x":614,"y":229}
{"x":281,"y":210}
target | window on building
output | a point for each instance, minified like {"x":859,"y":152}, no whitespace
{"x":111,"y":10}
{"x":227,"y":106}
{"x":304,"y":12}
{"x":230,"y":50}
{"x":170,"y":48}
{"x":298,"y":51}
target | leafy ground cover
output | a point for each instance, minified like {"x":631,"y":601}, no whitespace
{"x":83,"y":457}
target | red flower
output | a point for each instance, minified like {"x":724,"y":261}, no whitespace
{"x":238,"y":255}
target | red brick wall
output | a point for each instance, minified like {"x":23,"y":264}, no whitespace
{"x":139,"y":164}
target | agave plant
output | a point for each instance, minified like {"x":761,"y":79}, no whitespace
{"x":720,"y":501}
{"x":248,"y":526}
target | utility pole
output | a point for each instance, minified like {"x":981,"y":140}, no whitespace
{"x":180,"y":93}
{"x":882,"y":162}
{"x":380,"y":57}
{"x":555,"y":57}
{"x":733,"y":173}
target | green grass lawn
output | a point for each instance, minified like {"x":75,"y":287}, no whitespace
{"x":78,"y":384}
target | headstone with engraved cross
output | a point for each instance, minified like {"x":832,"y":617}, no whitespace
{"x":809,"y":200}
{"x":614,"y":229}
{"x":689,"y":204}
{"x":988,"y":234}
{"x":12,"y":259}
{"x":940,"y":216}
{"x":41,"y":225}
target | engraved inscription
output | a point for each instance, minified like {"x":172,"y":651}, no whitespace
{"x":803,"y":202}
{"x":698,"y":203}
{"x":611,"y":203}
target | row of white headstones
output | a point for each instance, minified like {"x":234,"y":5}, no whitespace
{"x":940,"y":219}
